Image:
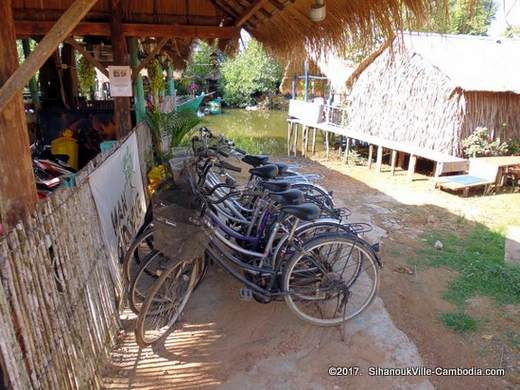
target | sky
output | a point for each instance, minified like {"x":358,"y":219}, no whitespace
{"x":508,"y":12}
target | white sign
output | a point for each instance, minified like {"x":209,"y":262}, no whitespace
{"x":117,"y":187}
{"x":120,"y":80}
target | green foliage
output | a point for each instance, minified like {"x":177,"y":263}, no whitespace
{"x":252,"y":72}
{"x":479,"y":144}
{"x":155,"y":75}
{"x":512,"y":32}
{"x":200,"y":66}
{"x":479,"y":259}
{"x":86,"y":76}
{"x":459,"y":322}
{"x":175,"y":125}
{"x":461,"y":17}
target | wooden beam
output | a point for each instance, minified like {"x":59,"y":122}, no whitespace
{"x":179,"y":31}
{"x":44,"y":50}
{"x":151,"y":56}
{"x":29,"y":29}
{"x":17,"y":186}
{"x":76,"y":45}
{"x":250,"y":11}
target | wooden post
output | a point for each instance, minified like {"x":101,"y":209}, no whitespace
{"x":393,"y":162}
{"x":295,"y":140}
{"x":122,"y":116}
{"x":33,"y":83}
{"x":370,"y":155}
{"x":314,"y":140}
{"x":61,"y":29}
{"x":400,"y":159}
{"x":17,"y":186}
{"x":347,"y":150}
{"x":306,"y":81}
{"x":170,"y":86}
{"x":69,"y":75}
{"x":304,"y":140}
{"x":411,"y":166}
{"x":379,"y":158}
{"x":139,"y":104}
{"x":327,"y":144}
{"x":438,"y":169}
{"x":289,"y":134}
{"x":293,"y":88}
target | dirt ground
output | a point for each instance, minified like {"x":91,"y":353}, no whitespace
{"x":223,"y":342}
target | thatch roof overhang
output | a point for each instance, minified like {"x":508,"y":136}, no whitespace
{"x":283,"y":26}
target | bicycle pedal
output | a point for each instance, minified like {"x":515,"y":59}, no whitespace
{"x":246,"y":294}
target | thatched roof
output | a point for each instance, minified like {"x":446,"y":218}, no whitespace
{"x":282,"y":25}
{"x":472,"y":63}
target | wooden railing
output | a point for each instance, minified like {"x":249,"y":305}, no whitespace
{"x":336,"y":115}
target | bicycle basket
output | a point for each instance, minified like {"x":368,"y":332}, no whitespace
{"x":178,"y":232}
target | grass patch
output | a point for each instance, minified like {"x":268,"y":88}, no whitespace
{"x":479,"y":258}
{"x":459,"y":322}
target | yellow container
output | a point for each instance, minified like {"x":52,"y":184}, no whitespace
{"x":66,"y":145}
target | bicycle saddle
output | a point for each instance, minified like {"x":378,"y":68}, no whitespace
{"x":275,"y":186}
{"x":282,"y":167}
{"x":289,"y":197}
{"x":304,"y":211}
{"x":255,"y":161}
{"x":268,"y":171}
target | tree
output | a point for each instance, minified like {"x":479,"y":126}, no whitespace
{"x":199,"y":67}
{"x":251,"y":73}
{"x":512,"y":32}
{"x":471,"y":17}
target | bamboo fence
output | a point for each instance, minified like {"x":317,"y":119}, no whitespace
{"x":59,"y":304}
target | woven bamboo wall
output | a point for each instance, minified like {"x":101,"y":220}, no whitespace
{"x":58,"y":301}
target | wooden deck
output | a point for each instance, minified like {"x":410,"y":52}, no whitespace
{"x":303,"y":131}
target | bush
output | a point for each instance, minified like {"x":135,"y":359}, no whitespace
{"x":479,"y":144}
{"x":251,"y":73}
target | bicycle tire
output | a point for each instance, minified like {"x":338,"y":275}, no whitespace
{"x":184,"y":280}
{"x":292,"y":297}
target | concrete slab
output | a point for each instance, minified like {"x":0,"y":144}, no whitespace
{"x":223,"y":342}
{"x":512,"y":247}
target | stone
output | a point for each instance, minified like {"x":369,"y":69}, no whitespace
{"x":512,"y":248}
{"x":438,"y":245}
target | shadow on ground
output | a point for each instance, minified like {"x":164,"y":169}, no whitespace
{"x":223,"y":342}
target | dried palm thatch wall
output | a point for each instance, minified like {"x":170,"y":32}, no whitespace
{"x":491,"y":110}
{"x":399,"y":96}
{"x":58,"y":297}
{"x":402,"y":98}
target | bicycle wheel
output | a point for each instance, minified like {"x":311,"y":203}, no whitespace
{"x":140,"y":248}
{"x":149,"y":271}
{"x":331,"y":280}
{"x":165,"y":302}
{"x":315,"y":194}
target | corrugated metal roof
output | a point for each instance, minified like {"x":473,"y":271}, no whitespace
{"x":473,"y":63}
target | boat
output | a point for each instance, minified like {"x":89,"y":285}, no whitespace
{"x":188,"y":102}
